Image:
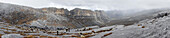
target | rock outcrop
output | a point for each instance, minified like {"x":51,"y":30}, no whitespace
{"x":59,"y":11}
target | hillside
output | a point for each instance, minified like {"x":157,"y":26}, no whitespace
{"x":130,"y":19}
{"x":51,"y":16}
{"x":150,"y":28}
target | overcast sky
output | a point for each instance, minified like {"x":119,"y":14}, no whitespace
{"x":94,"y":4}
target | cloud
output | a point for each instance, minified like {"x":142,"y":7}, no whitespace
{"x":94,"y":4}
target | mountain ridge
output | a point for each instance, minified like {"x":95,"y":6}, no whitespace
{"x":51,"y":16}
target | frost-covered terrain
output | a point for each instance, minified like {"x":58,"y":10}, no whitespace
{"x":27,"y":22}
{"x":157,"y":27}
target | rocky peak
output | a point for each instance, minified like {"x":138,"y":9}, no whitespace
{"x":59,"y":11}
{"x":81,"y":12}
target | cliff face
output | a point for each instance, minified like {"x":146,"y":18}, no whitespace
{"x":86,"y":17}
{"x":81,"y":12}
{"x":101,"y":16}
{"x":51,"y":17}
{"x":97,"y":15}
{"x":59,"y":11}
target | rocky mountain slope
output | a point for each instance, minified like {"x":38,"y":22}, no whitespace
{"x":157,"y":27}
{"x":26,"y":22}
{"x":50,"y":17}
